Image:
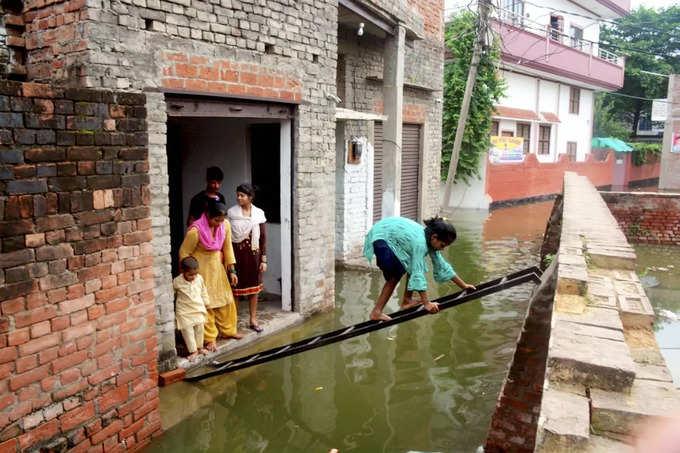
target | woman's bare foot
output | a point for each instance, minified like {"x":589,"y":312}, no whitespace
{"x":236,"y":336}
{"x":202,"y":351}
{"x":379,"y":316}
{"x":211,"y":346}
{"x":192,"y":356}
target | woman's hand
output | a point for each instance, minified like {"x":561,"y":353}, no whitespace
{"x":263,"y":267}
{"x":233,"y":279}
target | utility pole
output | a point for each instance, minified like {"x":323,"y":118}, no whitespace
{"x":669,"y":179}
{"x":483,"y":12}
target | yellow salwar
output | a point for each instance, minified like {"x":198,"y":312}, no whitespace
{"x":222,"y":316}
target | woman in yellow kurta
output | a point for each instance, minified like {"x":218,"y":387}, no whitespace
{"x":209,"y":241}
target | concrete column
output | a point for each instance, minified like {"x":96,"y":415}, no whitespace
{"x":393,"y":101}
{"x":669,"y":179}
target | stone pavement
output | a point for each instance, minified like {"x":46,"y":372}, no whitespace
{"x":604,"y":371}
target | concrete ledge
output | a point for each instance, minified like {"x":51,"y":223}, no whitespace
{"x":563,"y":423}
{"x":591,"y":361}
{"x":619,"y":413}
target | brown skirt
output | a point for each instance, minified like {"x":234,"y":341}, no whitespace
{"x":247,"y":269}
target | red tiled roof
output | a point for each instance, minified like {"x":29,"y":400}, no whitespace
{"x":520,"y":114}
{"x":550,"y":117}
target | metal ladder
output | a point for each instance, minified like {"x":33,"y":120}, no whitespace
{"x":532,"y":274}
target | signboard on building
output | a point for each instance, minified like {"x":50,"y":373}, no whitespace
{"x":675,"y":144}
{"x":506,"y":149}
{"x":659,"y":109}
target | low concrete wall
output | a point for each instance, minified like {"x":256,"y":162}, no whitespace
{"x":587,"y":346}
{"x":648,"y":218}
{"x":533,"y":180}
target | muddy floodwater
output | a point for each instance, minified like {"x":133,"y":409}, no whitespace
{"x":659,"y":269}
{"x":427,"y":385}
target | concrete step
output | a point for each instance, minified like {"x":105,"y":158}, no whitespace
{"x":619,"y":413}
{"x":589,"y":356}
{"x":564,"y":422}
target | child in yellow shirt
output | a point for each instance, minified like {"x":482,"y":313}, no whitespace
{"x":191,"y":296}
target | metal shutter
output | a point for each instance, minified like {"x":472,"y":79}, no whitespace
{"x":377,"y":170}
{"x":410,"y":170}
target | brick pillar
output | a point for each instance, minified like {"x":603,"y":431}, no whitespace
{"x":160,"y":217}
{"x":669,"y":179}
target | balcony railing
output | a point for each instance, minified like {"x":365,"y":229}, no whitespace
{"x":556,"y":35}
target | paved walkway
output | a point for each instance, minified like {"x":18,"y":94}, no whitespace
{"x":605,"y":373}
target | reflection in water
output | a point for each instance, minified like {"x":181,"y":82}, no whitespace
{"x":662,"y":262}
{"x":426,"y":385}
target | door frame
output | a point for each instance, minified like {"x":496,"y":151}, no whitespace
{"x":183,"y":105}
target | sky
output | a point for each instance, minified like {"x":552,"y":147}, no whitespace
{"x":653,"y":3}
{"x":633,"y":3}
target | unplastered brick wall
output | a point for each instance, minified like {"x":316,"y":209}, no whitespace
{"x":647,"y":218}
{"x":231,"y":48}
{"x":78,"y":346}
{"x":54,"y":39}
{"x":359,"y":80}
{"x":187,"y":72}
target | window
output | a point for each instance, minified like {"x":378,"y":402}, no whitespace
{"x":571,"y":151}
{"x":576,"y":37}
{"x":544,"y":140}
{"x":524,"y":131}
{"x":556,"y":27}
{"x":514,"y":11}
{"x":507,"y":134}
{"x":494,"y":128}
{"x":574,"y":100}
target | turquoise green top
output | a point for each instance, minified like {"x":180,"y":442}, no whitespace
{"x":406,"y":239}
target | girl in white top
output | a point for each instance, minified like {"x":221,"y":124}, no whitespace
{"x":249,"y":241}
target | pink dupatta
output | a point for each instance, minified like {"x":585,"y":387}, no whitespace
{"x":210,"y":242}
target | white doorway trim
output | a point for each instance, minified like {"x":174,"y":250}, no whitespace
{"x":286,"y":213}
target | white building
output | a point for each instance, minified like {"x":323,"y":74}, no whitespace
{"x":553,"y":65}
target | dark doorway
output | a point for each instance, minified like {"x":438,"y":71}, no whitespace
{"x":265,"y":144}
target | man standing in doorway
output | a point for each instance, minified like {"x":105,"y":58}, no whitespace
{"x":199,"y":202}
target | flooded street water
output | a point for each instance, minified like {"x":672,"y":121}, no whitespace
{"x":659,"y":268}
{"x":428,"y":385}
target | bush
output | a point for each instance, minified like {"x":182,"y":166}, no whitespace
{"x":644,"y":152}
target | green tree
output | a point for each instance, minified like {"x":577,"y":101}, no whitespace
{"x":605,"y":123}
{"x":650,"y":41}
{"x":460,"y":39}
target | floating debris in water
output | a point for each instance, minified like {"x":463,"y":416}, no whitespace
{"x":662,"y":269}
{"x":318,"y":388}
{"x":668,"y":314}
{"x":439,"y":357}
{"x":649,"y":282}
{"x":390,"y":338}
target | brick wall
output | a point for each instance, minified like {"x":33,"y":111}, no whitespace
{"x":506,"y":182}
{"x":648,"y":218}
{"x":361,"y":69}
{"x":647,"y":174}
{"x":77,"y":332}
{"x":515,"y":419}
